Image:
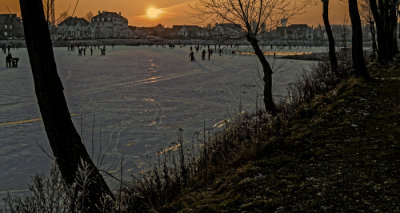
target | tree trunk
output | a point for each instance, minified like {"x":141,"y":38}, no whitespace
{"x":373,"y":38}
{"x":64,"y":140}
{"x":393,"y":19}
{"x":357,"y":41}
{"x":268,"y":99}
{"x":331,"y":40}
{"x":385,"y":16}
{"x":379,"y":30}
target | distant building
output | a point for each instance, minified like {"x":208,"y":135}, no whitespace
{"x":110,"y":25}
{"x":190,"y":31}
{"x":226,"y":30}
{"x":74,"y":28}
{"x":10,"y":26}
{"x":294,"y":32}
{"x":143,"y":32}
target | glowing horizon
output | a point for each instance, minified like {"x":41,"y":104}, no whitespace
{"x":173,"y":12}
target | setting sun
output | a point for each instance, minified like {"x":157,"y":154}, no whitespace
{"x":154,"y":12}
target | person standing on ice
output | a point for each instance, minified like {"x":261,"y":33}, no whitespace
{"x":91,"y":50}
{"x":203,"y":55}
{"x":191,"y":56}
{"x":9,"y":59}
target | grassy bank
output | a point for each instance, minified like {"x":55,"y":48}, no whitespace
{"x":340,"y":154}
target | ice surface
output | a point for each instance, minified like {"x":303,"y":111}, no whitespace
{"x":135,"y":97}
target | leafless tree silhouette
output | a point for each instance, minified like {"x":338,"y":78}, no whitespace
{"x":252,"y":18}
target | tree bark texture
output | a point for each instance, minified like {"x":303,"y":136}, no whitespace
{"x":373,"y":35}
{"x":267,"y":70}
{"x":331,"y":40}
{"x":385,"y":16}
{"x":357,"y":41}
{"x":64,"y":140}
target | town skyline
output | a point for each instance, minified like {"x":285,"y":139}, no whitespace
{"x":174,"y":12}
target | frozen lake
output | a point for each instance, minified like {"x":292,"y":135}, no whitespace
{"x":136,"y":98}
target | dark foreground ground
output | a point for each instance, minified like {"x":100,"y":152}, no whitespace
{"x":342,"y":155}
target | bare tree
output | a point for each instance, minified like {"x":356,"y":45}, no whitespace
{"x":64,"y":15}
{"x":253,"y":17}
{"x":64,"y":140}
{"x":357,"y":41}
{"x":386,"y":18}
{"x":89,"y":16}
{"x":331,"y":40}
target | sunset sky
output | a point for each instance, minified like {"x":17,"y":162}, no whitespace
{"x":167,"y":12}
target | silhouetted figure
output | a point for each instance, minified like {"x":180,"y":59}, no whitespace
{"x":91,"y":51}
{"x":209,"y":53}
{"x":191,"y":56}
{"x":9,"y":59}
{"x":11,"y":62}
{"x":203,"y":55}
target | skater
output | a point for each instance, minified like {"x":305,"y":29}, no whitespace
{"x":209,"y":54}
{"x":91,"y":50}
{"x":9,"y":59}
{"x":203,"y":55}
{"x":191,"y":56}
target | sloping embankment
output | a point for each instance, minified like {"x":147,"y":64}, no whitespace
{"x":344,"y":155}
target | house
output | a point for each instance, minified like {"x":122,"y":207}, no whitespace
{"x":74,"y":28}
{"x":190,"y":31}
{"x":142,"y":31}
{"x":299,"y":32}
{"x":10,"y":26}
{"x":227,"y":30}
{"x":294,"y":32}
{"x":110,"y":25}
{"x":148,"y":31}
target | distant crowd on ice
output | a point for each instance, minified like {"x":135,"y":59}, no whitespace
{"x":82,"y":49}
{"x":210,"y":51}
{"x":205,"y":49}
